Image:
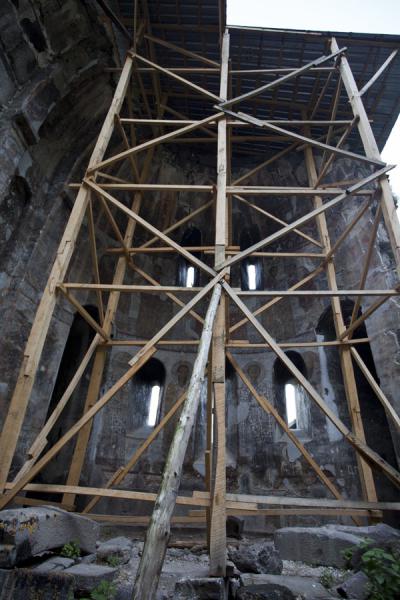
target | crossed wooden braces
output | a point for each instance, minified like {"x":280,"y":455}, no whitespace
{"x":215,"y":503}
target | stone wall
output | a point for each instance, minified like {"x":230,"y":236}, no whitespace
{"x":55,"y":95}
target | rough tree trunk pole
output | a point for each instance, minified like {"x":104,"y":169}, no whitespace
{"x":158,"y":532}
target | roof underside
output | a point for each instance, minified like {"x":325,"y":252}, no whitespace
{"x":196,"y":24}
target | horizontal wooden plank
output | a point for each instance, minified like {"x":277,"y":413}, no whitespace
{"x":304,"y":502}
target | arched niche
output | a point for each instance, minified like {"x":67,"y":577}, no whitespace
{"x":187,"y":274}
{"x":292,"y":400}
{"x":251,"y":268}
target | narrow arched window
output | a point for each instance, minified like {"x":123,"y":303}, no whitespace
{"x":78,"y":341}
{"x":149,"y":386}
{"x":251,"y":272}
{"x":292,"y":400}
{"x":296,"y":406}
{"x":187,"y":274}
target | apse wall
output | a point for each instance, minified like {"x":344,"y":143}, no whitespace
{"x":55,"y":96}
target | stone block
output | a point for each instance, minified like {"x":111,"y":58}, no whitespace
{"x":203,"y":588}
{"x":355,"y":587}
{"x":27,"y":532}
{"x":256,"y":558}
{"x":267,"y":591}
{"x":307,"y":588}
{"x":315,"y":545}
{"x":55,"y":563}
{"x":26,"y":584}
{"x":87,"y":577}
{"x":119,"y":547}
{"x":234,"y":527}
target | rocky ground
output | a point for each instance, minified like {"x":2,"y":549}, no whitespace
{"x":47,"y":553}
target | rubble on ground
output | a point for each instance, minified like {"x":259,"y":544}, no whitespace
{"x":73,"y":562}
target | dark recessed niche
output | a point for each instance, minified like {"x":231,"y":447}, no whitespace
{"x":33,"y":31}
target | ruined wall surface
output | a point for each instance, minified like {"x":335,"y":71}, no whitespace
{"x":54,"y":93}
{"x":260,"y":459}
{"x":54,"y":97}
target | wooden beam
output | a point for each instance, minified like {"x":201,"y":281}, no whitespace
{"x":217,"y":522}
{"x":302,"y":220}
{"x":180,"y":50}
{"x":176,"y":318}
{"x":331,"y":158}
{"x":273,"y":84}
{"x":378,"y":73}
{"x":277,"y":299}
{"x":153,"y":142}
{"x":367,"y":313}
{"x":264,"y":190}
{"x":318,"y":293}
{"x":306,"y":140}
{"x":158,"y":532}
{"x":372,"y":151}
{"x":303,"y":502}
{"x":96,"y":378}
{"x":122,"y":472}
{"x":360,"y":447}
{"x":367,"y":262}
{"x":82,"y":311}
{"x":270,"y":409}
{"x":34,"y":346}
{"x":41,"y":439}
{"x":380,"y":395}
{"x":190,"y":257}
{"x":21,"y":483}
{"x":349,"y":380}
{"x":174,"y":298}
{"x":177,"y":77}
{"x":277,"y":220}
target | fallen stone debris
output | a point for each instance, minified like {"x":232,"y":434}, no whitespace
{"x":47,"y":553}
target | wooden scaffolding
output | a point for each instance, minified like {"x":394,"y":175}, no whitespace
{"x":215,"y":344}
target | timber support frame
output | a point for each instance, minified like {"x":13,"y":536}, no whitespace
{"x":99,"y":191}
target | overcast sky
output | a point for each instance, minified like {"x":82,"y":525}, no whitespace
{"x":368,"y":16}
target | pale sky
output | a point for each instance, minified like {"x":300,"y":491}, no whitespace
{"x":365,"y":16}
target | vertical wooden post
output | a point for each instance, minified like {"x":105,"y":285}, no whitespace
{"x":218,"y":487}
{"x":44,"y":313}
{"x":96,"y":376}
{"x":158,"y":532}
{"x":365,"y":472}
{"x":372,"y":151}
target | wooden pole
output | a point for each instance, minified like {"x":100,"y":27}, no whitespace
{"x":218,"y":481}
{"x":349,"y":380}
{"x":35,"y":343}
{"x":367,"y":453}
{"x":372,"y":151}
{"x":158,"y":533}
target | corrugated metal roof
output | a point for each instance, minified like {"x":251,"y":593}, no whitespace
{"x":195,"y":26}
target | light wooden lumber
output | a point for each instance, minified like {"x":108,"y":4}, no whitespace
{"x":378,"y":73}
{"x":122,"y":472}
{"x":302,"y":220}
{"x":349,"y":380}
{"x":180,"y":50}
{"x":158,"y":532}
{"x":34,"y":346}
{"x":133,"y":215}
{"x":154,"y":142}
{"x":176,"y":318}
{"x":273,"y":84}
{"x":21,"y":483}
{"x":373,"y":458}
{"x":371,"y":150}
{"x":270,"y":409}
{"x":374,"y":385}
{"x":305,"y":140}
